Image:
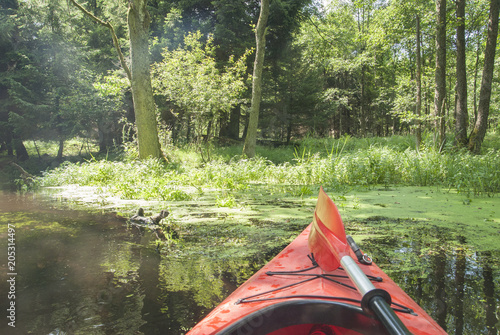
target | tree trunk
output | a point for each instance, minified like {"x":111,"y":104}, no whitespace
{"x":231,"y":128}
{"x":142,"y":92}
{"x":479,"y":131}
{"x":105,"y":133}
{"x":440,"y":74}
{"x":462,"y":116}
{"x":21,"y":152}
{"x":362,"y":109}
{"x":260,"y":38}
{"x":188,"y":128}
{"x":476,"y":70}
{"x":139,"y":75}
{"x":418,"y":104}
{"x":60,"y":151}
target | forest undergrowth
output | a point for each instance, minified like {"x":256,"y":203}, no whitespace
{"x":336,"y":163}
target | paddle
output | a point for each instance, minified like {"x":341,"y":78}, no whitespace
{"x":328,"y":242}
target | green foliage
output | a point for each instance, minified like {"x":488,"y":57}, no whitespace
{"x":335,"y":163}
{"x":48,"y":72}
{"x":112,"y":86}
{"x":303,"y":191}
{"x":129,"y":180}
{"x":347,"y":68}
{"x":190,"y":78}
{"x":226,"y":200}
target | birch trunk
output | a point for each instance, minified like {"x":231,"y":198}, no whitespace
{"x":260,"y":38}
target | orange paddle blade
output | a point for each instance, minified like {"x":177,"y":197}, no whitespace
{"x":327,"y":240}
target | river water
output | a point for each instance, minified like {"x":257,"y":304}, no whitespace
{"x":78,"y":272}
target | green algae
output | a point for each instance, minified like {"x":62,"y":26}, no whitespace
{"x":477,"y":218}
{"x":268,"y":212}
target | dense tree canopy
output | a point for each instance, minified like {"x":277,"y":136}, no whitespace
{"x":332,"y":68}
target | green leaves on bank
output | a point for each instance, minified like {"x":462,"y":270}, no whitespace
{"x":366,"y":167}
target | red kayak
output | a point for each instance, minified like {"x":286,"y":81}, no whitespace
{"x":320,"y":284}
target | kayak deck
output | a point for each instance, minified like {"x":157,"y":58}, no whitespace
{"x":292,"y":295}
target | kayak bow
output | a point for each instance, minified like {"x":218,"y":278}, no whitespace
{"x":328,"y":242}
{"x":303,"y":290}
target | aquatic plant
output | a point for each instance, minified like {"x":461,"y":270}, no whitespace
{"x":340,"y":166}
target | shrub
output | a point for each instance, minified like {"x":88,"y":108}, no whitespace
{"x":371,"y":164}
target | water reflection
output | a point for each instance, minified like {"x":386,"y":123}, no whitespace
{"x":82,"y":273}
{"x":454,"y":284}
{"x":67,"y":264}
{"x":489,"y":293}
{"x":460,"y":267}
{"x":438,"y":262}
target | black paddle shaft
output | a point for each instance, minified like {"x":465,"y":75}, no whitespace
{"x":362,"y":258}
{"x":386,"y":315}
{"x":375,"y":300}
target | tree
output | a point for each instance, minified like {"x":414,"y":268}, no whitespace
{"x":10,"y":61}
{"x":260,"y":39}
{"x":142,"y":92}
{"x":461,"y":114}
{"x":478,"y":133}
{"x":138,"y":20}
{"x":41,"y":69}
{"x":440,"y":72}
{"x":191,"y":79}
{"x":295,"y":90}
{"x":352,"y":57}
{"x":230,"y":23}
{"x":418,"y":102}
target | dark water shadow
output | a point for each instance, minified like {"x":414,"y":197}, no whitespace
{"x":89,"y":273}
{"x":82,"y":273}
{"x":456,"y":285}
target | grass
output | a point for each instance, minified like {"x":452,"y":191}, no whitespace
{"x":72,"y":148}
{"x":338,"y":164}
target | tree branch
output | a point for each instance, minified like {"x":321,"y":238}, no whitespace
{"x":113,"y":35}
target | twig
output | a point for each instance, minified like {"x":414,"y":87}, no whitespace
{"x":24,"y":174}
{"x":113,"y":34}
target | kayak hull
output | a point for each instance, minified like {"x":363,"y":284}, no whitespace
{"x":305,"y":315}
{"x":292,"y":295}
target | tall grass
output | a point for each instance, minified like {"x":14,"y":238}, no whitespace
{"x":336,"y":163}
